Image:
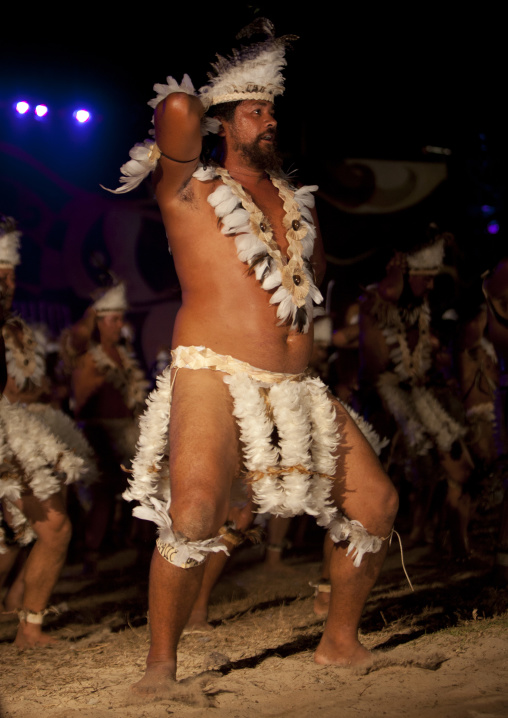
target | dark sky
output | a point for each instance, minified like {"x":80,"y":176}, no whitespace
{"x":363,"y":82}
{"x":360,"y":83}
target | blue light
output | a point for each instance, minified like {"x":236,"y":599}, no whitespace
{"x":487,"y":210}
{"x":81,"y":116}
{"x":22,"y":107}
{"x":493,"y":227}
{"x":41,"y":110}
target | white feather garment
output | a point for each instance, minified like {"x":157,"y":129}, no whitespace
{"x":9,"y":248}
{"x":427,"y":259}
{"x":25,"y":353}
{"x":45,"y":462}
{"x":294,"y":430}
{"x":367,"y":430}
{"x":251,"y":77}
{"x":325,"y":441}
{"x":67,"y":431}
{"x":128,"y":378}
{"x":172,"y":86}
{"x":145,"y":155}
{"x":359,"y":539}
{"x":152,"y":442}
{"x":184,"y":549}
{"x":19,"y":524}
{"x":256,"y":429}
{"x":419,"y":414}
{"x":286,"y":479}
{"x":241,"y":218}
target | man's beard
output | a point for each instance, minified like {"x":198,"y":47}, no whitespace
{"x":261,"y":159}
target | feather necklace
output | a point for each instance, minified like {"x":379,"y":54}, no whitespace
{"x":291,"y":277}
{"x":128,"y":377}
{"x":409,"y":364}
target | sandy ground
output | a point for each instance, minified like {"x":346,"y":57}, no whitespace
{"x":442,"y":649}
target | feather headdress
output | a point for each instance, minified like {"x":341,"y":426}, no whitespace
{"x":9,"y":243}
{"x":113,"y":300}
{"x":252,"y":72}
{"x":427,"y":260}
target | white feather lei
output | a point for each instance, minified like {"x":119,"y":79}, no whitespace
{"x":422,"y":419}
{"x":128,"y":378}
{"x":291,"y":279}
{"x":25,"y":353}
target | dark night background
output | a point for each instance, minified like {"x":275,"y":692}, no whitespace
{"x":361,"y":83}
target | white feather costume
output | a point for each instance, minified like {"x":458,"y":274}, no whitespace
{"x":31,"y":457}
{"x":424,"y":422}
{"x":289,"y":477}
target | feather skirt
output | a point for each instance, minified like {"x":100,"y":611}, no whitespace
{"x":289,"y":437}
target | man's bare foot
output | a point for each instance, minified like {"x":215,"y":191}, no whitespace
{"x":349,"y":654}
{"x":30,"y":635}
{"x":159,"y":683}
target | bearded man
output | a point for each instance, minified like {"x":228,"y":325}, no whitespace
{"x":236,"y":397}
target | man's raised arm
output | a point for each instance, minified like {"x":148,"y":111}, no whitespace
{"x":178,"y":136}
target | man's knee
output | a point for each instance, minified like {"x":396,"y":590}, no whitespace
{"x":56,"y":531}
{"x":381,"y":504}
{"x":198,"y":515}
{"x":390,"y":501}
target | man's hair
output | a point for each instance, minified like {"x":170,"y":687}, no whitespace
{"x":213,"y":145}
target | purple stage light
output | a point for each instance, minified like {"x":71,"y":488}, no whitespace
{"x":493,"y":227}
{"x":82,"y":116}
{"x":41,"y":110}
{"x":22,"y":107}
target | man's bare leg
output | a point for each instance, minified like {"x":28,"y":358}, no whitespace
{"x":13,"y":600}
{"x":203,"y":460}
{"x":44,"y":563}
{"x":7,"y":561}
{"x":278,"y":526}
{"x":198,"y":619}
{"x":322,"y":598}
{"x":364,"y":493}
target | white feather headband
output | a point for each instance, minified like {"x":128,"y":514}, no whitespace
{"x":113,"y":300}
{"x":428,"y":260}
{"x":253,"y":72}
{"x":9,"y":243}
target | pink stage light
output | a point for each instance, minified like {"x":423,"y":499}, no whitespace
{"x":22,"y":107}
{"x":41,"y":110}
{"x":82,"y":116}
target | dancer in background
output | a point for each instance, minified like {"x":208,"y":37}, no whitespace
{"x":35,"y":467}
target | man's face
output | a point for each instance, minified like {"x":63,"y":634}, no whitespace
{"x":421,"y":284}
{"x":252,"y":132}
{"x":110,"y":327}
{"x":7,"y":287}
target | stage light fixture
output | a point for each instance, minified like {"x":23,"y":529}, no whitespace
{"x":493,"y":227}
{"x":41,"y":110}
{"x":22,"y":107}
{"x":82,"y":116}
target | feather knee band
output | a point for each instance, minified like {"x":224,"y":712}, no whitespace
{"x":359,"y":539}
